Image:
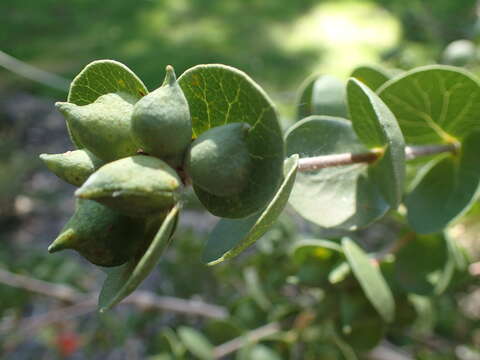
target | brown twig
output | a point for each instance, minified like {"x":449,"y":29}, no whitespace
{"x":85,"y":303}
{"x":411,"y":152}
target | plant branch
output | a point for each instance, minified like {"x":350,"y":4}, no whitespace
{"x":411,"y":152}
{"x":87,"y":302}
{"x":32,"y":73}
{"x":252,"y":336}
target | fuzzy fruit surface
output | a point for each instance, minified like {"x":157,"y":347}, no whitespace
{"x":73,"y":166}
{"x":138,"y":185}
{"x":161,"y":123}
{"x":102,"y":235}
{"x":219,"y":161}
{"x":104,"y":126}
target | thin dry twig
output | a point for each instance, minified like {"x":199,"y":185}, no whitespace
{"x":85,"y":303}
{"x":251,"y":337}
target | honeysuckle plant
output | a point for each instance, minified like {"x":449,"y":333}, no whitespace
{"x":403,"y":143}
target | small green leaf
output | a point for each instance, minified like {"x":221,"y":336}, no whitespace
{"x":421,"y":275}
{"x":73,"y":166}
{"x":196,"y":343}
{"x":218,"y":95}
{"x":103,"y":77}
{"x":321,"y":95}
{"x":123,"y":280}
{"x":371,"y":280}
{"x":446,"y":189}
{"x":377,"y":127}
{"x":231,"y":237}
{"x":434,"y":104}
{"x":99,"y":78}
{"x":315,"y":259}
{"x":372,"y":76}
{"x":258,"y":352}
{"x":304,"y":98}
{"x":317,"y":247}
{"x":362,"y":327}
{"x":341,"y":197}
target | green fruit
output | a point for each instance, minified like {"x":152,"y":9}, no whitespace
{"x":73,"y":166}
{"x":136,"y":186}
{"x":102,"y":235}
{"x":161,"y":123}
{"x":219,"y":161}
{"x":103,"y":127}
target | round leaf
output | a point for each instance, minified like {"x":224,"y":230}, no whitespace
{"x":230,"y":237}
{"x":446,"y":189}
{"x":103,"y":77}
{"x":420,"y":263}
{"x":123,"y":280}
{"x":377,"y":127}
{"x":370,"y":279}
{"x":316,"y":259}
{"x":219,"y":95}
{"x":372,"y":76}
{"x":337,"y":197}
{"x":321,"y":95}
{"x":434,"y":103}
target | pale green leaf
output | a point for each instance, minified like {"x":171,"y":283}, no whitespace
{"x":370,"y":279}
{"x":196,"y":343}
{"x":372,"y":76}
{"x":230,"y":237}
{"x":434,"y":104}
{"x":123,"y":280}
{"x":377,"y":127}
{"x":337,"y":197}
{"x":446,"y":189}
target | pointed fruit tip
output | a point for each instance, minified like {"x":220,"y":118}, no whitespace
{"x":64,"y":107}
{"x":62,"y":242}
{"x":170,"y":76}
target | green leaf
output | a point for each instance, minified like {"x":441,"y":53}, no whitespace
{"x":103,"y":77}
{"x":219,"y":95}
{"x":372,"y":76}
{"x":362,"y":327}
{"x":434,"y":103}
{"x":196,"y":343}
{"x":99,"y":78}
{"x":258,"y":352}
{"x":316,"y":258}
{"x":231,"y":237}
{"x":123,"y":280}
{"x":304,"y":98}
{"x":337,"y":197}
{"x":254,"y":288}
{"x":321,"y":95}
{"x":420,"y":263}
{"x":319,"y":248}
{"x":371,"y":280}
{"x":377,"y":127}
{"x":445,"y":189}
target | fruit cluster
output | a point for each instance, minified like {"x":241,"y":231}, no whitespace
{"x":135,"y":157}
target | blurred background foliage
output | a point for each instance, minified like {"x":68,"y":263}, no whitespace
{"x":278,"y":43}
